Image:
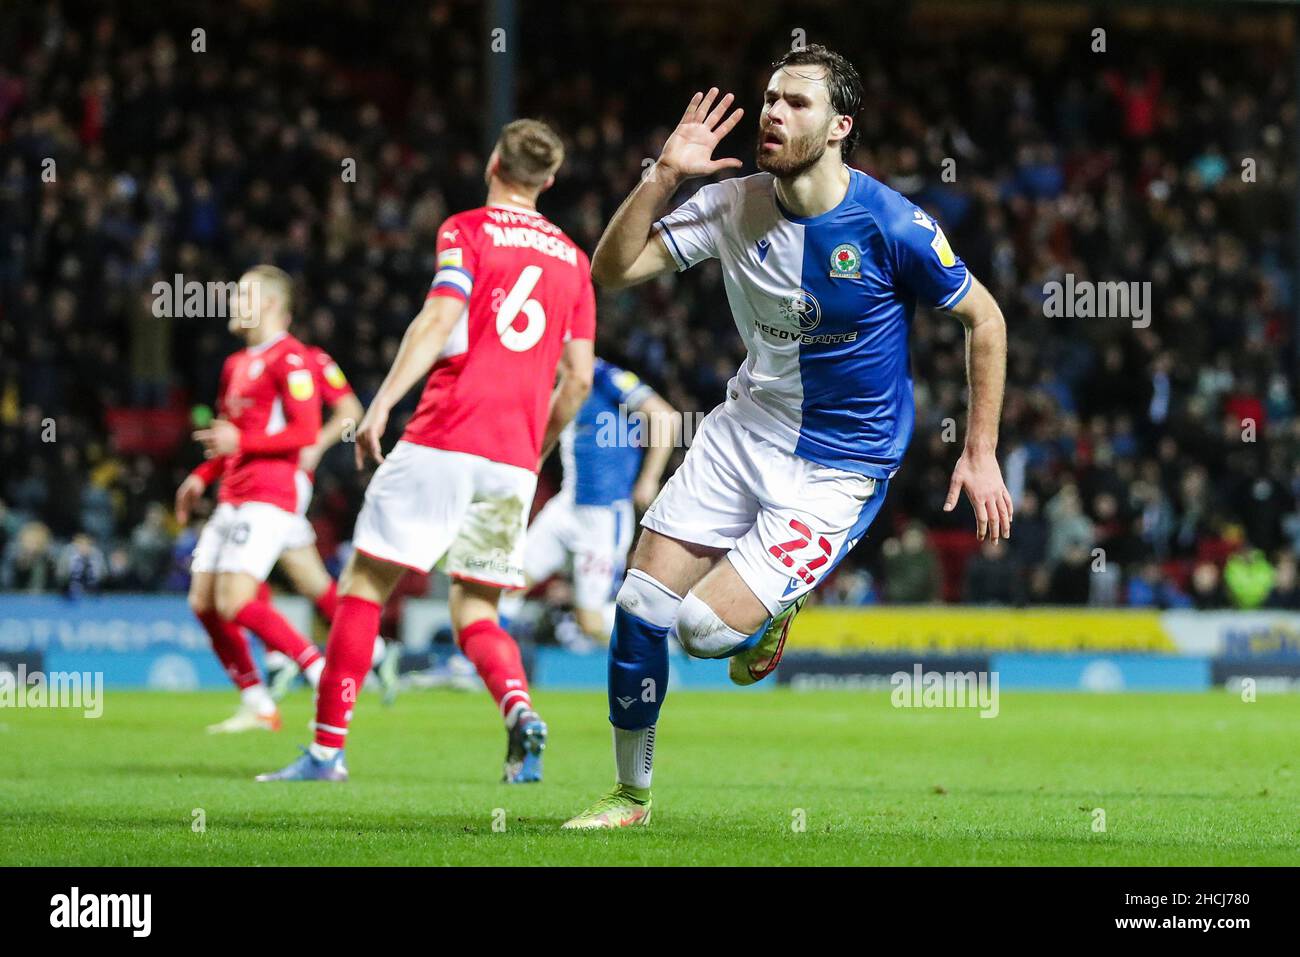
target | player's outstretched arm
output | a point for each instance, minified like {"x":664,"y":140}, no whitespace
{"x":195,"y":484}
{"x":665,"y":425}
{"x":345,"y":414}
{"x":977,"y":470}
{"x":628,"y":251}
{"x":420,"y":348}
{"x":574,"y":377}
{"x":187,"y":496}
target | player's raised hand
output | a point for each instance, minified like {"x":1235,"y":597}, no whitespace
{"x":190,"y":491}
{"x":370,"y":435}
{"x":689,"y":150}
{"x":981,"y":477}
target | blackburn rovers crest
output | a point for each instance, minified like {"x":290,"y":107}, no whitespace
{"x":846,"y":262}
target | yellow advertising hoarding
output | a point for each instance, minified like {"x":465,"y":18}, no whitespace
{"x":958,"y":629}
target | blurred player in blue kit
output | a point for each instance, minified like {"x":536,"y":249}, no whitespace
{"x":613,"y":455}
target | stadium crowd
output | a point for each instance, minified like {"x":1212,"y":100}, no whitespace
{"x":1153,"y":463}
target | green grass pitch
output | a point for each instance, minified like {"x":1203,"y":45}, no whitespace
{"x":1182,"y":778}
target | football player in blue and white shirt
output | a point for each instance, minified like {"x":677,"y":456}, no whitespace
{"x":613,"y":453}
{"x":823,"y":267}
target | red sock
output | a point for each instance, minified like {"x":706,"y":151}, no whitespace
{"x":261,"y":618}
{"x":496,"y":656}
{"x":327,"y":602}
{"x":347,"y":659}
{"x":232,"y":649}
{"x":264,"y":592}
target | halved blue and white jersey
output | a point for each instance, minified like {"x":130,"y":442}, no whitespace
{"x":601,"y":448}
{"x":824,"y":305}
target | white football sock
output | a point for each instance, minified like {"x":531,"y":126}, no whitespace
{"x":322,"y":753}
{"x":257,"y":699}
{"x":275,"y":660}
{"x":634,"y":754}
{"x":512,"y":717}
{"x":313,"y":670}
{"x":377,"y":655}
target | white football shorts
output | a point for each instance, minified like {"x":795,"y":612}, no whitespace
{"x":464,"y":513}
{"x":595,"y":537}
{"x":785,"y":520}
{"x":244,"y":538}
{"x":302,"y":534}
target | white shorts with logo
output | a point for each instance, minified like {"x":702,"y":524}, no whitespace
{"x":467,"y":514}
{"x":302,"y":534}
{"x":787,"y":521}
{"x":597,"y":537}
{"x":247,"y":538}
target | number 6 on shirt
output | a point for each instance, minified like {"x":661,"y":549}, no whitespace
{"x":521,"y":340}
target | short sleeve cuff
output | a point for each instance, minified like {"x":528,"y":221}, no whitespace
{"x":673,"y":249}
{"x":959,"y":294}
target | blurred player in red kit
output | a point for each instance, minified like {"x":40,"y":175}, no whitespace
{"x":511,"y":304}
{"x":269,"y":411}
{"x":299,"y":560}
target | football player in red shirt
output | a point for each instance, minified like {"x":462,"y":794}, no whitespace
{"x":510,"y":305}
{"x":300,"y":561}
{"x":269,"y":411}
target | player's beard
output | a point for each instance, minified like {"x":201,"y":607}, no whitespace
{"x":797,"y":155}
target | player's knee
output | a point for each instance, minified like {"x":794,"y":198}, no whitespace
{"x":200,"y":598}
{"x":647,"y":599}
{"x":232,"y":596}
{"x":701,"y":633}
{"x":228,"y":605}
{"x":593,"y":623}
{"x":370,"y":578}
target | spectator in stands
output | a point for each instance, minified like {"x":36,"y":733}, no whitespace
{"x":1145,"y":587}
{"x":1071,"y":577}
{"x":1285,"y":594}
{"x":1028,"y":543}
{"x":8,"y":525}
{"x":911,"y":567}
{"x":1248,"y":578}
{"x":1067,"y":165}
{"x":1069,"y":528}
{"x":850,"y":586}
{"x":993,"y":577}
{"x":150,"y":551}
{"x":81,"y":567}
{"x":28,"y":563}
{"x":1206,"y":586}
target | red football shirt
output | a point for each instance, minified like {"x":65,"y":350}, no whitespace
{"x":332,"y":385}
{"x":269,"y":392}
{"x":330,"y":379}
{"x":527,"y":290}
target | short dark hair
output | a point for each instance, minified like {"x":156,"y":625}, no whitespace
{"x":842,"y":81}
